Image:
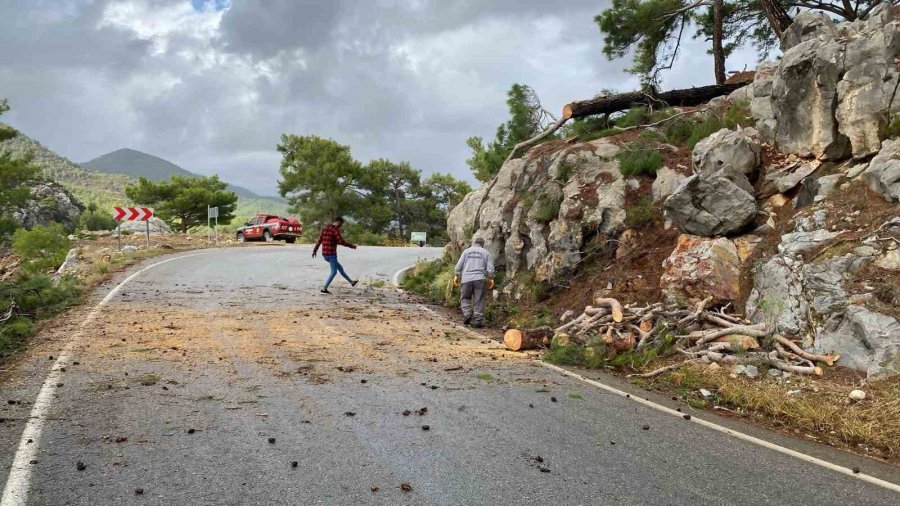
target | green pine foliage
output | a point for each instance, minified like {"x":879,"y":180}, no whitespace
{"x":522,"y":125}
{"x":639,"y":159}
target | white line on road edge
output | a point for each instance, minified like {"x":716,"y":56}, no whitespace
{"x":17,"y":484}
{"x":725,"y":430}
{"x":711,"y":425}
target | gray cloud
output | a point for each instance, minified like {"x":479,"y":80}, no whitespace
{"x":213,"y":91}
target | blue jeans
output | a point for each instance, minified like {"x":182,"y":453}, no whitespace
{"x":335,"y":268}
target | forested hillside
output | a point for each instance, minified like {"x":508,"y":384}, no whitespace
{"x":108,"y":189}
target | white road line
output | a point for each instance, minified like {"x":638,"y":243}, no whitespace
{"x":711,"y":425}
{"x":18,"y":482}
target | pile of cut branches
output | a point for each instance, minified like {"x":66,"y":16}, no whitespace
{"x":700,"y":335}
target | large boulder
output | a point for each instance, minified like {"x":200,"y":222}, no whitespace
{"x":883,"y":173}
{"x":539,"y":211}
{"x":761,"y":102}
{"x":665,"y":184}
{"x":710,"y":205}
{"x":867,"y":341}
{"x":48,"y":203}
{"x":699,"y":268}
{"x":834,"y":88}
{"x":157,"y":227}
{"x":730,"y":153}
{"x":867,"y":90}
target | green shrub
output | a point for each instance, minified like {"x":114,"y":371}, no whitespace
{"x":35,"y":297}
{"x":633,"y":117}
{"x":93,"y":220}
{"x":564,"y":171}
{"x":640,"y":214}
{"x":548,"y":209}
{"x":43,"y":247}
{"x":891,"y":129}
{"x":588,"y":129}
{"x":639,"y":159}
{"x":687,"y":131}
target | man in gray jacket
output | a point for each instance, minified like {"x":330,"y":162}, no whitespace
{"x":475,"y":270}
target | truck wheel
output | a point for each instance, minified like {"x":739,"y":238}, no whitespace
{"x":240,"y":237}
{"x":267,"y":236}
{"x":290,"y":240}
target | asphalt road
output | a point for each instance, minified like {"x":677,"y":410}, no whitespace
{"x":207,"y":377}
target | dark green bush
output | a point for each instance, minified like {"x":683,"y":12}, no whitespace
{"x":93,"y":220}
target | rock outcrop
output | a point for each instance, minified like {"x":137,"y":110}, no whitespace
{"x":883,"y":173}
{"x":699,"y":268}
{"x":710,"y":205}
{"x":834,"y":88}
{"x":540,"y":211}
{"x":49,"y":203}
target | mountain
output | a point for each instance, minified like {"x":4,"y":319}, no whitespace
{"x":107,"y":188}
{"x":103,"y":189}
{"x":137,"y":164}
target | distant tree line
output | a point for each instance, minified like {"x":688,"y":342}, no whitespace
{"x":381,"y":199}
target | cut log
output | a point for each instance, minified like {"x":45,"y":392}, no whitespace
{"x":613,"y":305}
{"x":518,"y":340}
{"x":625,"y":101}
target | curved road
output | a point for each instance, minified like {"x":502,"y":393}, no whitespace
{"x":225,"y":378}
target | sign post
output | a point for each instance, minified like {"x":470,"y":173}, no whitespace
{"x":213,"y":213}
{"x":121,"y":214}
{"x":418,"y":237}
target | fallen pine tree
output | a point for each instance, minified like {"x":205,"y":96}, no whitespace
{"x":608,"y":104}
{"x":699,"y":335}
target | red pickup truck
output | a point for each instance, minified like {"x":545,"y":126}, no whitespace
{"x":269,"y":227}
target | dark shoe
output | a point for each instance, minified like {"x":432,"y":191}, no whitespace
{"x":325,"y":290}
{"x":354,"y":282}
{"x":477,"y":325}
{"x":467,"y":320}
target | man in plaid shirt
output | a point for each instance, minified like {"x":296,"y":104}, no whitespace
{"x":329,"y":240}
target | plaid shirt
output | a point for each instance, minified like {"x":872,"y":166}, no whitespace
{"x":329,"y":239}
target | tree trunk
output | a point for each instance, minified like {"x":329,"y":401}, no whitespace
{"x":518,"y":340}
{"x":624,"y":101}
{"x":718,"y":50}
{"x":778,"y":18}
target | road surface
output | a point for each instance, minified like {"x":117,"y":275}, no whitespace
{"x":225,"y":378}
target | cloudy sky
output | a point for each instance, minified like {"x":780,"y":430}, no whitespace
{"x":212,"y":84}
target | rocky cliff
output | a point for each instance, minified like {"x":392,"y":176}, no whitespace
{"x":795,"y":220}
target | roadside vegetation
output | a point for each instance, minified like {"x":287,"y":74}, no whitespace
{"x":383,"y":201}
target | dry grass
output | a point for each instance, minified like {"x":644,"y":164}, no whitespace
{"x":821,"y":410}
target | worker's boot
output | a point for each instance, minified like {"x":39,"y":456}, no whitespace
{"x":467,"y":320}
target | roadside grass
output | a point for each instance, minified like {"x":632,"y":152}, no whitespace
{"x":575,"y":394}
{"x":485,"y":376}
{"x":821,"y":410}
{"x":376,"y":283}
{"x":640,"y":213}
{"x":639,"y":159}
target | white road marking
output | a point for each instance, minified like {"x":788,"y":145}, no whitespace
{"x":18,"y":482}
{"x":710,"y":425}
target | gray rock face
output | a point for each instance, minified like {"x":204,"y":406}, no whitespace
{"x":710,"y":206}
{"x":834,"y":86}
{"x":883,"y":173}
{"x":665,"y":184}
{"x":866,"y":341}
{"x":786,"y":178}
{"x":798,"y":242}
{"x":761,"y":102}
{"x":727,"y":153}
{"x":532,"y":220}
{"x":49,"y":203}
{"x":70,"y":264}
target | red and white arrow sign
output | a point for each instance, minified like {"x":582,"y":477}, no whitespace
{"x":132,"y":213}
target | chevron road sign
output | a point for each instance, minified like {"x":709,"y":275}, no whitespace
{"x":132,"y":213}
